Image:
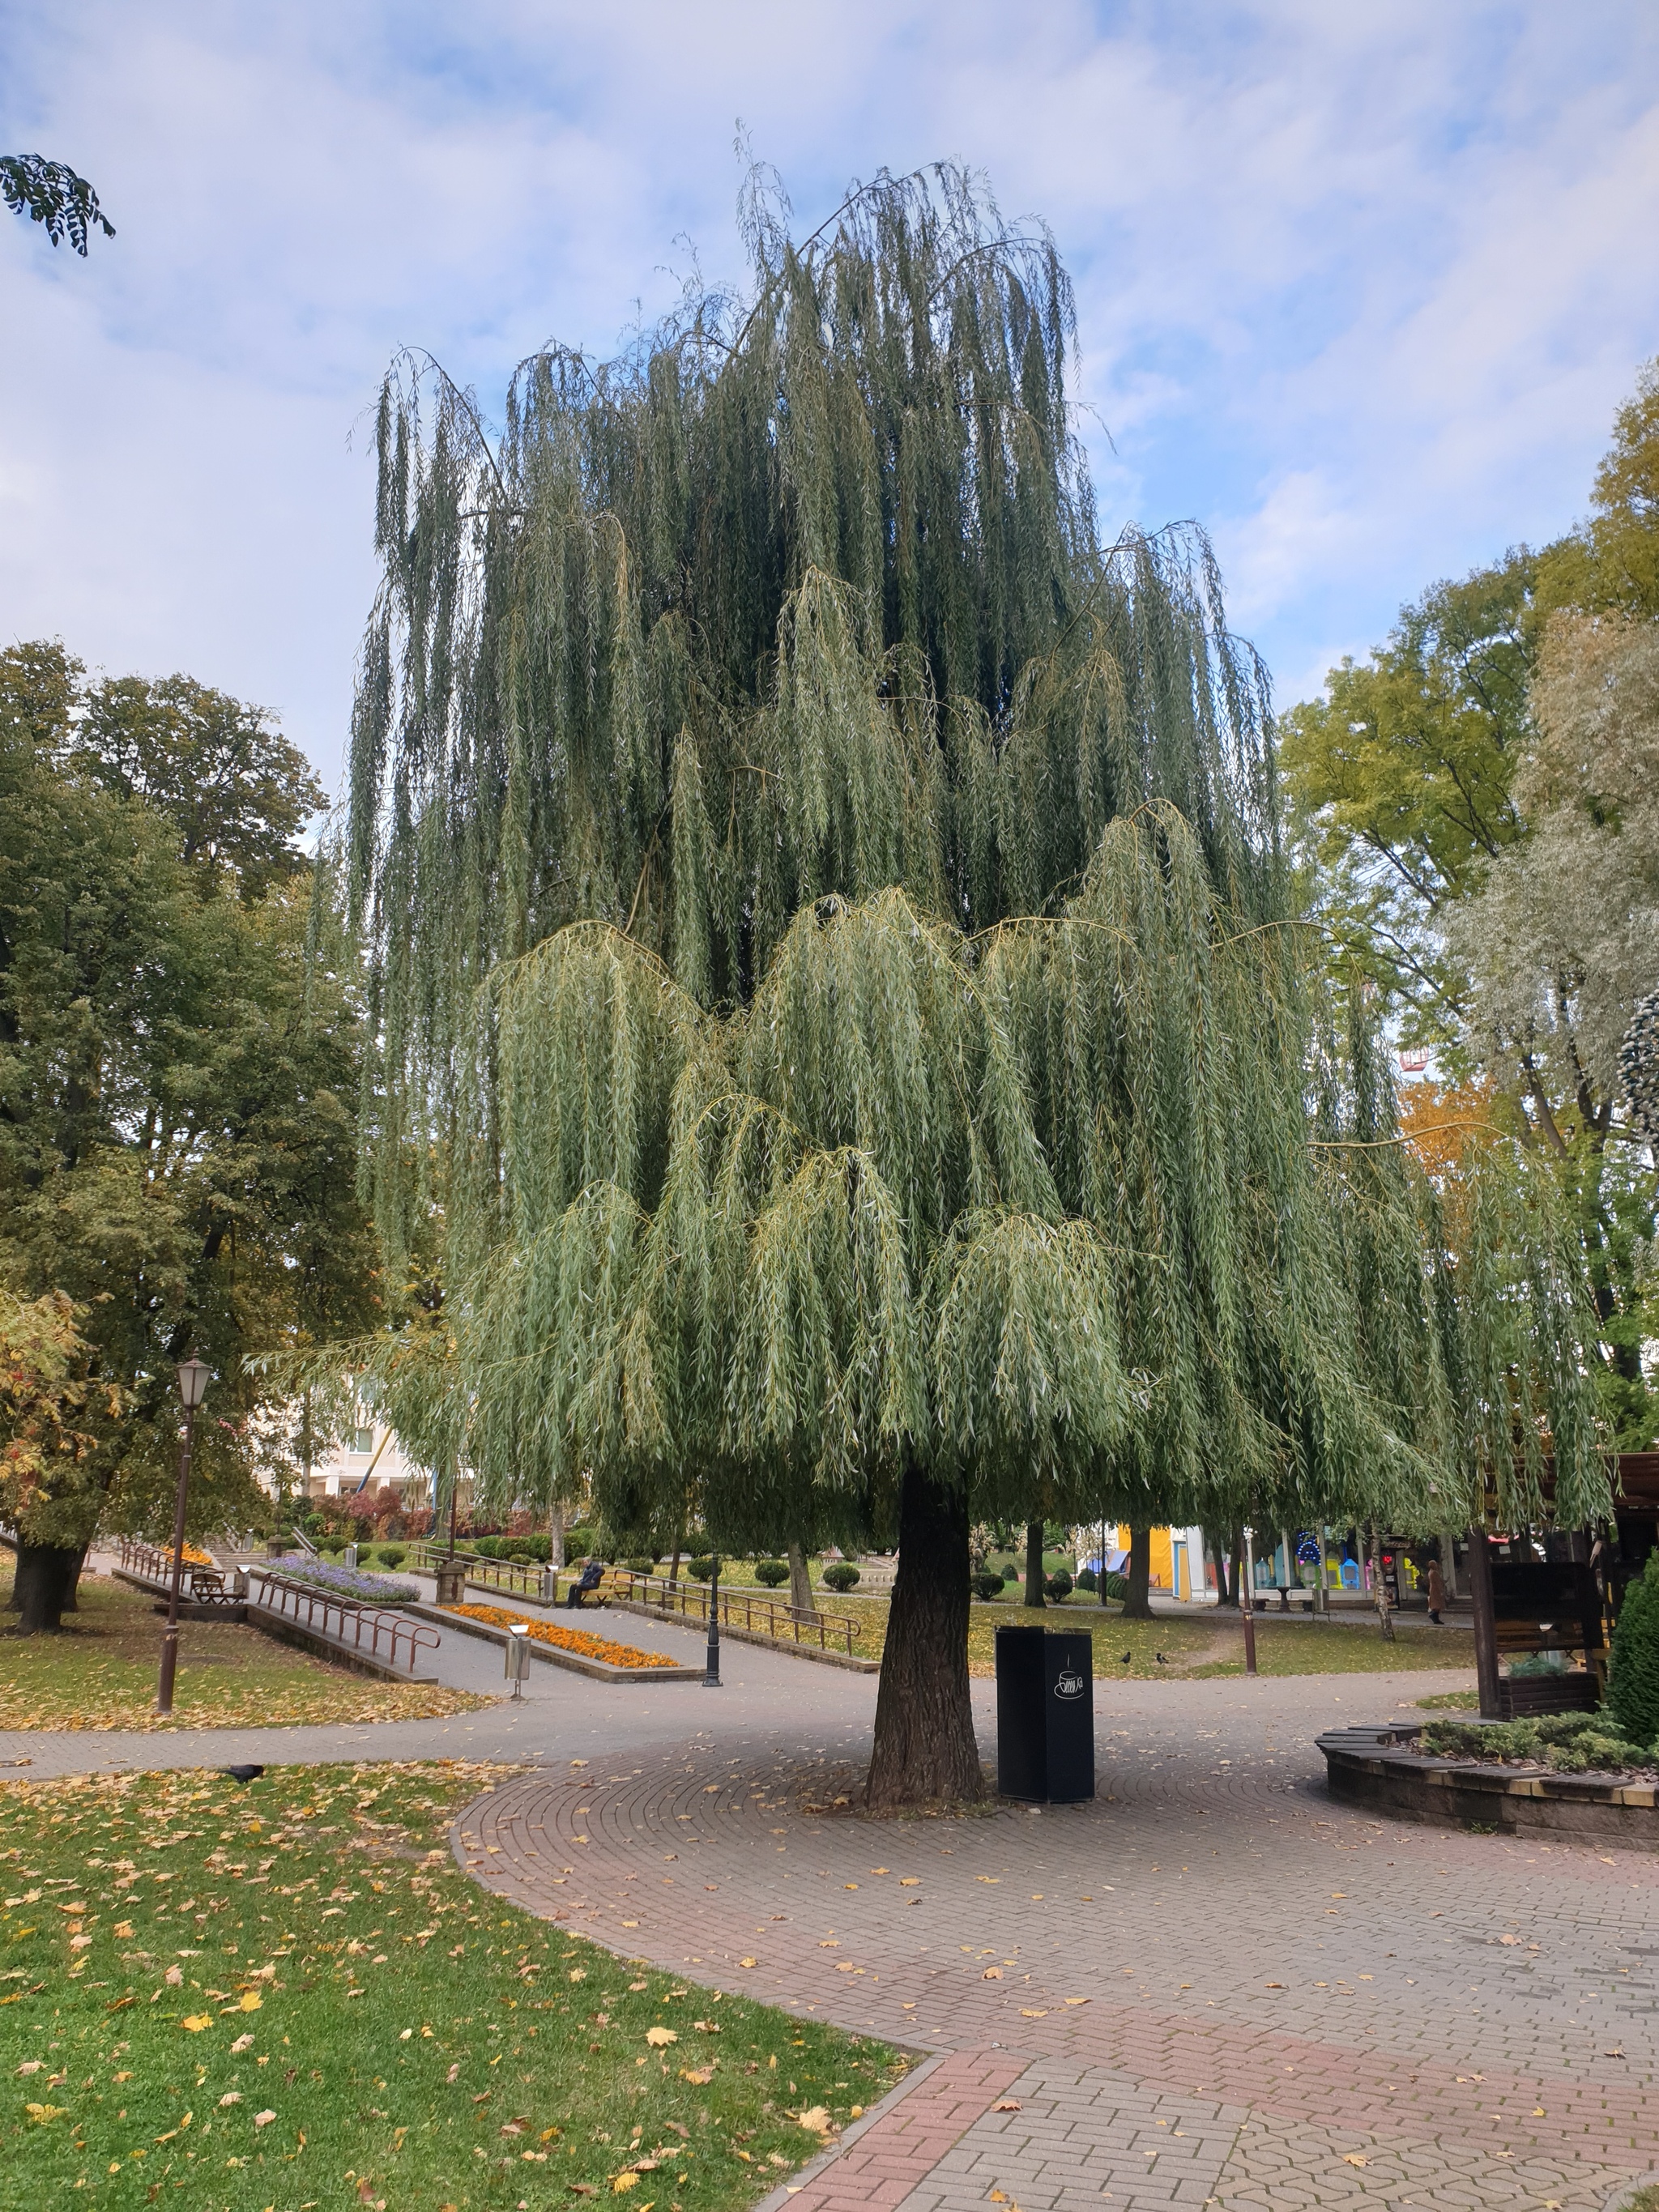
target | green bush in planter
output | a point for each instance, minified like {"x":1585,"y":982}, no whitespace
{"x":1059,"y":1587}
{"x":1633,"y":1682}
{"x":840,"y":1576}
{"x":773,"y":1573}
{"x":701,"y":1569}
{"x":987,"y":1584}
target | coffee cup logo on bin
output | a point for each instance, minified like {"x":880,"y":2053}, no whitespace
{"x":1069,"y":1683}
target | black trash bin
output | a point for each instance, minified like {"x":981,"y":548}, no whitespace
{"x":1069,"y":1707}
{"x":1045,"y":1716}
{"x":1021,"y":1737}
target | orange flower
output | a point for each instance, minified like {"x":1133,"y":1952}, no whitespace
{"x":567,"y":1639}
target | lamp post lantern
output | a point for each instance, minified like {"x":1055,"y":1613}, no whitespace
{"x":1247,"y":1600}
{"x":194,"y":1376}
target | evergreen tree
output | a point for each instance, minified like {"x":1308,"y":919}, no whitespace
{"x":1633,"y":1678}
{"x":837,"y":977}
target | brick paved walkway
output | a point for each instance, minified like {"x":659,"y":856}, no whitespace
{"x":1212,"y":1986}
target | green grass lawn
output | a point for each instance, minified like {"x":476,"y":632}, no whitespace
{"x":100,"y":1673}
{"x":288,"y":1996}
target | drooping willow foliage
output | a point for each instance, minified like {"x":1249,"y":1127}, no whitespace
{"x":834,"y":961}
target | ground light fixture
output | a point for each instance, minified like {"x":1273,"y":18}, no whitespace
{"x":194,"y":1375}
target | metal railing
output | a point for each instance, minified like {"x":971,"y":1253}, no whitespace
{"x":154,"y":1564}
{"x":761,"y":1616}
{"x":364,"y":1627}
{"x":522,"y":1578}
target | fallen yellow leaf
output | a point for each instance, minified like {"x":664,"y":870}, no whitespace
{"x":624,"y":2181}
{"x":700,"y":2075}
{"x":992,"y":1974}
{"x":196,"y":2022}
{"x":252,"y":2000}
{"x":1355,"y":2158}
{"x":746,"y":1962}
{"x":817,"y":2118}
{"x":40,"y":2114}
{"x":661,"y":2037}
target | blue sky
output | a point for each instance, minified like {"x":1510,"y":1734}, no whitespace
{"x":1359,"y":286}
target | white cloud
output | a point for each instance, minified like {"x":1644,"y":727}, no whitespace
{"x":1359,"y":288}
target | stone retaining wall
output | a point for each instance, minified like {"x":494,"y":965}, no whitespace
{"x":1380,"y":1768}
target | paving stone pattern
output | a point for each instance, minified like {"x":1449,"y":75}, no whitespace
{"x":1211,"y":1986}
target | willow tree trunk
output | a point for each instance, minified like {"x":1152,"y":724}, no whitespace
{"x":925,"y":1748}
{"x":1137,"y":1598}
{"x":556,"y":1537}
{"x":1034,"y":1563}
{"x":45,"y":1582}
{"x":800,"y":1583}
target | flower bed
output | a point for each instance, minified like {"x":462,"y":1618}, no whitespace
{"x":345,"y":1581}
{"x":1567,"y":1743}
{"x":567,"y":1639}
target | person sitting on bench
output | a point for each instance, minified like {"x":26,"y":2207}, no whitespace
{"x":592,"y":1575}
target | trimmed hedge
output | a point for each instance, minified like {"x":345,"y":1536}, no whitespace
{"x":840,"y":1576}
{"x":772,"y":1573}
{"x":986,"y":1584}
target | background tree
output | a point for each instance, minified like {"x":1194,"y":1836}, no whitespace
{"x":178,"y":1088}
{"x":836,"y":968}
{"x":1475,"y":801}
{"x":51,"y":192}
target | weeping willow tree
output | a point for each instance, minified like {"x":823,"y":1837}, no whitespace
{"x":834,"y":974}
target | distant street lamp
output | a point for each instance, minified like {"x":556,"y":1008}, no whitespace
{"x":194,"y":1376}
{"x":711,"y":1673}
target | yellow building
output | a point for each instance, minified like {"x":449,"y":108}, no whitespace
{"x":1177,"y":1563}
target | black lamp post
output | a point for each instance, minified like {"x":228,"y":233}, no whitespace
{"x":711,"y":1676}
{"x":193,"y":1379}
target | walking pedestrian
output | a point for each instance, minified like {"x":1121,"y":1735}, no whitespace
{"x":1436,"y":1591}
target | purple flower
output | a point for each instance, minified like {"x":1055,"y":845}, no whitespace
{"x":343,"y":1581}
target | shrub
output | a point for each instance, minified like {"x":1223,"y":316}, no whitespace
{"x":1059,"y":1587}
{"x":641,"y":1566}
{"x":1573,"y":1743}
{"x":1633,"y":1686}
{"x":393,"y":1555}
{"x":987,"y":1584}
{"x":701,"y":1569}
{"x":1115,"y":1585}
{"x":840,"y":1576}
{"x":1086,"y":1578}
{"x":487,"y":1548}
{"x":537,"y":1549}
{"x":772,"y":1573}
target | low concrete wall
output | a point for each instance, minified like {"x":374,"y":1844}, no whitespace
{"x":354,"y":1661}
{"x":1382,"y":1769}
{"x":578,"y":1662}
